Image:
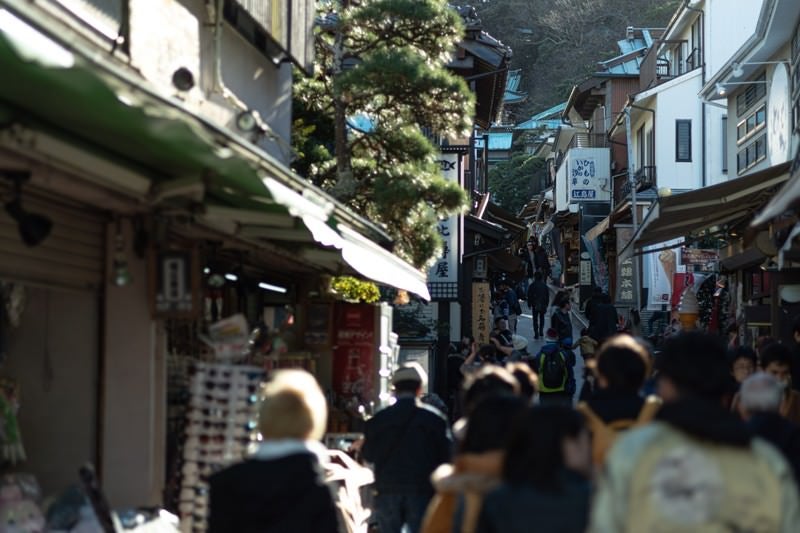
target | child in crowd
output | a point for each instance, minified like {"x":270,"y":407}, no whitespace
{"x":587,"y":344}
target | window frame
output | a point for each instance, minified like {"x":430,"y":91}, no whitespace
{"x":678,"y":123}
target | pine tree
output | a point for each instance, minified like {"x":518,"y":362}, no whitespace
{"x":381,"y":81}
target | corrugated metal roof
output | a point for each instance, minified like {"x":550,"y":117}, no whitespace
{"x":514,"y":78}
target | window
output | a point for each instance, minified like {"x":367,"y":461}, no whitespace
{"x":751,"y":95}
{"x":724,"y":144}
{"x":683,"y":140}
{"x":640,"y":142}
{"x":751,"y":124}
{"x":752,"y":154}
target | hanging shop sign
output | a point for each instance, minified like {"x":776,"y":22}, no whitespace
{"x":706,"y":259}
{"x":174,"y":282}
{"x":625,"y":294}
{"x":354,"y":354}
{"x":589,"y":175}
{"x":445,"y":270}
{"x":481,"y":312}
{"x":661,"y":267}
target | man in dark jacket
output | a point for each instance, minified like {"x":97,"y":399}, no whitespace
{"x":538,"y":300}
{"x":603,"y":322}
{"x":561,"y":321}
{"x":540,"y":260}
{"x":759,"y":401}
{"x":405,"y":443}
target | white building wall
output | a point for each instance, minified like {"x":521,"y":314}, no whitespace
{"x":167,"y":34}
{"x":717,"y":166}
{"x":677,"y":101}
{"x":729,"y":23}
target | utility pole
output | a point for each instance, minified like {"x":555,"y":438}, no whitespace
{"x":634,"y":207}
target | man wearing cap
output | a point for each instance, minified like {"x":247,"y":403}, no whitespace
{"x":405,"y":443}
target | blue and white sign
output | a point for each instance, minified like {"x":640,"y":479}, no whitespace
{"x":588,"y":175}
{"x":446,"y":267}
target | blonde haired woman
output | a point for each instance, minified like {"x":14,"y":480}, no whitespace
{"x":281,"y":488}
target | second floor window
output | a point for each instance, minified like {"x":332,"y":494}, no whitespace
{"x":683,"y":140}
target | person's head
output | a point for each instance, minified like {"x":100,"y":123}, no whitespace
{"x":501,"y":323}
{"x":467,"y":340}
{"x":760,"y":393}
{"x":622,"y":364}
{"x":489,"y":380}
{"x":732,"y":330}
{"x":528,"y":382}
{"x":776,"y":360}
{"x":537,"y":276}
{"x":692,"y":364}
{"x":597,"y":292}
{"x":762,"y":343}
{"x":584,"y":332}
{"x":546,"y":439}
{"x":487,"y":353}
{"x":551,"y":335}
{"x":410,"y":378}
{"x":490,"y":423}
{"x":293,"y":407}
{"x":743,"y":363}
{"x":605,"y":298}
{"x":564,"y":304}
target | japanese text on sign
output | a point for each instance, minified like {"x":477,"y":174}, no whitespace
{"x":481,"y":312}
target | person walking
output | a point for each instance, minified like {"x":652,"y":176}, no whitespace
{"x":405,"y":443}
{"x":545,"y":476}
{"x":760,"y":400}
{"x":560,"y":320}
{"x":538,"y":297}
{"x":776,"y":359}
{"x":281,"y":488}
{"x":696,"y":467}
{"x":554,"y":365}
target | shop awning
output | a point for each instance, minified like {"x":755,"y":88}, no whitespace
{"x":786,"y":199}
{"x":120,"y":118}
{"x":689,"y":213}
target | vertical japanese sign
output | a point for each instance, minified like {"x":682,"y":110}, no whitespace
{"x":354,"y":354}
{"x":625,"y":281}
{"x":662,"y":266}
{"x":481,"y":312}
{"x":446,"y":267}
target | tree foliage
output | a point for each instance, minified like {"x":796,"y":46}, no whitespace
{"x":514,"y":182}
{"x":558,"y":43}
{"x":382,"y":62}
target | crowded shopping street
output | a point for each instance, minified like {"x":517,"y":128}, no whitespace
{"x":399,"y":266}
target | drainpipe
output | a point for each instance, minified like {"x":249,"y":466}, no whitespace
{"x":702,"y":83}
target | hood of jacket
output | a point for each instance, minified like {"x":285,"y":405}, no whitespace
{"x":471,"y":472}
{"x":704,"y":420}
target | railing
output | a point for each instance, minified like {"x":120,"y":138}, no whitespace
{"x":644,"y":177}
{"x":589,"y":140}
{"x":694,"y":60}
{"x":656,"y":69}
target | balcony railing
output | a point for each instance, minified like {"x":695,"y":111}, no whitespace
{"x":645,"y":178}
{"x":589,"y":140}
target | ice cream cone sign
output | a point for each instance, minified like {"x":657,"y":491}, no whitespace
{"x":688,"y":309}
{"x":669,"y":262}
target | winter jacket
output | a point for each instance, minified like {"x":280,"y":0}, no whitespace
{"x":538,"y":296}
{"x":561,"y":322}
{"x":695,"y":468}
{"x":603,"y":322}
{"x":406,"y":442}
{"x":525,"y":508}
{"x":541,"y":261}
{"x":569,"y":357}
{"x":784,"y":435}
{"x":285,"y":493}
{"x":467,"y":480}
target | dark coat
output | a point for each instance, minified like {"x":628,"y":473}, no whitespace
{"x":541,"y":261}
{"x":538,"y":296}
{"x":282,"y":495}
{"x":562,"y":323}
{"x":781,"y":433}
{"x":525,"y":508}
{"x":405,"y":443}
{"x":603,"y":321}
{"x":611,"y":405}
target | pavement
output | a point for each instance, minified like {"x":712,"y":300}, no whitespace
{"x":525,"y":328}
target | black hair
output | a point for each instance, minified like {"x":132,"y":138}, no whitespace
{"x":537,"y":276}
{"x":584,"y":331}
{"x":742,"y":352}
{"x":605,"y":298}
{"x":525,"y":377}
{"x":490,"y":423}
{"x":597,"y":291}
{"x":487,"y":381}
{"x":733,"y":328}
{"x":776,"y":353}
{"x":535,"y":451}
{"x":499,"y":317}
{"x":696,"y":364}
{"x":623,"y":363}
{"x":407,"y":385}
{"x":796,"y":325}
{"x":487,"y":352}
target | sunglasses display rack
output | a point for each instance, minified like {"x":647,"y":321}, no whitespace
{"x":220,"y":428}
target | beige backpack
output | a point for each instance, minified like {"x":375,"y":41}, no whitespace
{"x":604,"y":434}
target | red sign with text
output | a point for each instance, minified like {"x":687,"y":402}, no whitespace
{"x":354,"y":372}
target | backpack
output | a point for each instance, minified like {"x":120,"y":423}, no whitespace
{"x":604,"y":435}
{"x":553,"y":371}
